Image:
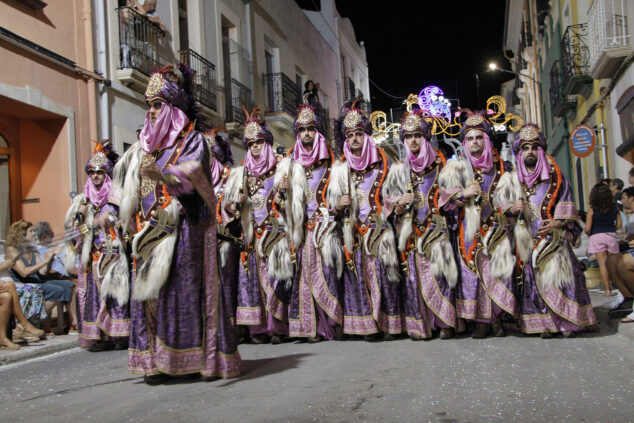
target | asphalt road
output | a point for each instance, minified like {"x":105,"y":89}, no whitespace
{"x":518,"y":379}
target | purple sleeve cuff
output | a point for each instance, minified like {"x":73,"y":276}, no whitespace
{"x":178,"y":179}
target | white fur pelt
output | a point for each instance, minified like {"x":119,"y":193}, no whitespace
{"x":296,"y":201}
{"x":116,"y":281}
{"x":152,"y":274}
{"x":279,"y":262}
{"x":442,"y":261}
{"x":509,"y":190}
{"x":386,"y":252}
{"x":126,"y":184}
{"x":329,"y":246}
{"x":502,"y":259}
{"x":394,"y":187}
{"x":454,"y":175}
{"x":232,"y":189}
{"x":331,"y":251}
{"x":557,"y":272}
{"x":69,"y":220}
{"x":224,"y":249}
{"x":340,"y":184}
{"x":388,"y":255}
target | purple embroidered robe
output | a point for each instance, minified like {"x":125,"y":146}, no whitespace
{"x":99,"y":319}
{"x":262,"y":300}
{"x":554,"y":309}
{"x":428,"y":300}
{"x":187,"y":329}
{"x":371,"y":302}
{"x":479,"y":296}
{"x":315,"y":308}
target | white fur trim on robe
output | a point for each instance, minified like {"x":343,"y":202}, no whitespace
{"x":454,"y":175}
{"x":152,"y":274}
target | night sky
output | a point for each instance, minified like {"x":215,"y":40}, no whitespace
{"x":413,"y":44}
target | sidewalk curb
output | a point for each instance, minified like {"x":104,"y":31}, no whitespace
{"x":39,"y":349}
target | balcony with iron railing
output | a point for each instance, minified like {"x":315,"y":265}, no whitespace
{"x":575,"y":57}
{"x":282,"y":98}
{"x":205,"y":88}
{"x":610,"y":38}
{"x":139,"y":46}
{"x":561,"y":103}
{"x":282,"y":93}
{"x":238,"y":95}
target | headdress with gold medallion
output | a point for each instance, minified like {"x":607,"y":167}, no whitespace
{"x":529,"y":134}
{"x":255,"y":127}
{"x":103,"y":158}
{"x":351,"y":119}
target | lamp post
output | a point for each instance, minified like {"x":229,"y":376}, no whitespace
{"x":537,"y":86}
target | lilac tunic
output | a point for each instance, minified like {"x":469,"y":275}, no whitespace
{"x":314,"y":307}
{"x":479,"y":296}
{"x":553,"y":309}
{"x":186,"y":330}
{"x":371,"y":302}
{"x":428,"y":301}
{"x":262,"y":301}
{"x":99,"y":319}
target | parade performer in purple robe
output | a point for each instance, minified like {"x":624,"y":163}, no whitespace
{"x":229,"y":230}
{"x":468,"y":185}
{"x":423,"y":237}
{"x":253,"y":194}
{"x":166,"y":201}
{"x":103,"y":277}
{"x":554,"y":297}
{"x":315,"y":310}
{"x":370,"y":288}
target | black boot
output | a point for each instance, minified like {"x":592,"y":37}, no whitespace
{"x":447,"y":333}
{"x":155,"y":379}
{"x":481,"y":331}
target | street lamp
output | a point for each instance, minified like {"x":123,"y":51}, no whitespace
{"x":494,"y":67}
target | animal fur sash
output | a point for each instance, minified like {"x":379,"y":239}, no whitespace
{"x":454,"y":175}
{"x":278,"y":255}
{"x":154,"y":269}
{"x":380,"y":241}
{"x":438,"y":249}
{"x":115,"y":274}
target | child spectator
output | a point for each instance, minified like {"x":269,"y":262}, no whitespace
{"x":602,"y":221}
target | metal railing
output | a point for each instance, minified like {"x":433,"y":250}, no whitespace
{"x":282,"y":93}
{"x":575,"y":55}
{"x":349,"y":89}
{"x":607,"y":21}
{"x":560,"y":102}
{"x":239,"y":95}
{"x":139,"y":40}
{"x":205,"y":79}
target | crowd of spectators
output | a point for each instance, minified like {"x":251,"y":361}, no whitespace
{"x":33,"y":281}
{"x":610,"y":225}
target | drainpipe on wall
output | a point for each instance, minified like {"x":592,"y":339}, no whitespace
{"x":247,"y":12}
{"x":604,"y":150}
{"x":102,"y":63}
{"x":90,"y":61}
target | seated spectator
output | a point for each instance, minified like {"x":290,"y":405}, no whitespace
{"x":44,"y":236}
{"x":10,"y":306}
{"x":31,"y":299}
{"x":621,"y":268}
{"x":33,"y":270}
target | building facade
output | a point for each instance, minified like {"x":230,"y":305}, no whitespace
{"x":246,"y":53}
{"x":581,"y":52}
{"x":47,"y":107}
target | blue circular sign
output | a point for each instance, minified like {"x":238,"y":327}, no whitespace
{"x":582,"y":140}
